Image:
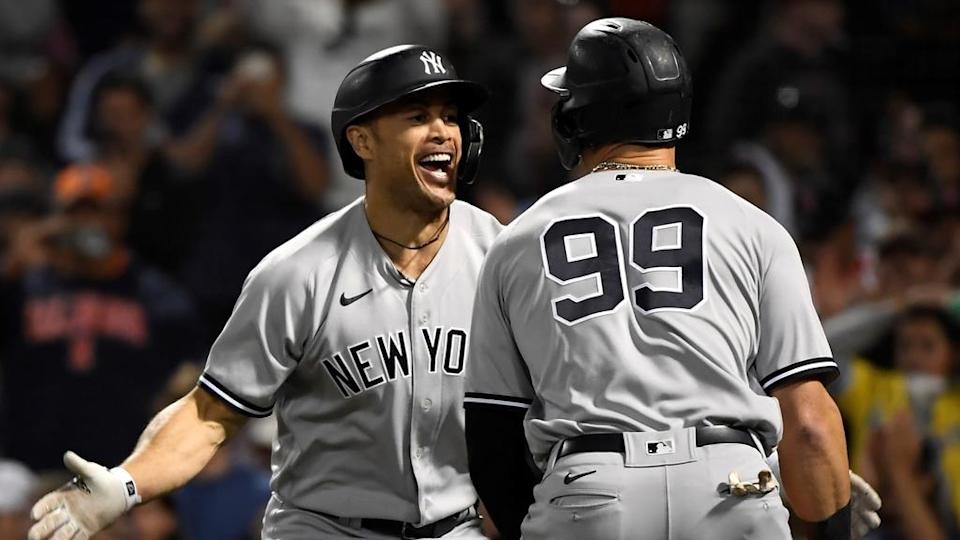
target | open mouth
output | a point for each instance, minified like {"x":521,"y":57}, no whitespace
{"x":437,"y":165}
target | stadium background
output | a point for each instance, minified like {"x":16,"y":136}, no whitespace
{"x":152,"y":151}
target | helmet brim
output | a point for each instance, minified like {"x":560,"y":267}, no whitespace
{"x":468,"y":95}
{"x":555,"y":81}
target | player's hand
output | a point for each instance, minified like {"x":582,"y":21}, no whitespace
{"x":94,"y":499}
{"x":864,"y":504}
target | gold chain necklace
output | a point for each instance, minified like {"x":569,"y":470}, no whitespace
{"x":617,"y":166}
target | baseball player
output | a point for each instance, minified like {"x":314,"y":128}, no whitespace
{"x":618,"y":324}
{"x":354,"y":333}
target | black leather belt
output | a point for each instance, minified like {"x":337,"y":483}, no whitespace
{"x":613,"y":442}
{"x":402,"y":529}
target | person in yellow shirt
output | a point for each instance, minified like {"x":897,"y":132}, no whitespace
{"x":904,"y":424}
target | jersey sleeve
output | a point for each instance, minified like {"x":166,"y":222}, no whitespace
{"x":261,"y":343}
{"x":496,"y":373}
{"x":792,"y":343}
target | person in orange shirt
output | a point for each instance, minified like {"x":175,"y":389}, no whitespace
{"x":85,"y":326}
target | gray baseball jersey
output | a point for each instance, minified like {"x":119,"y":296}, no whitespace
{"x":363,"y":368}
{"x":642,"y":301}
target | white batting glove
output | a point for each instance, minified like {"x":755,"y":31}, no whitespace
{"x":864,"y":504}
{"x":94,"y":499}
{"x":864,"y":501}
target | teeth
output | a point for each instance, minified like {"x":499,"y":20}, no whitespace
{"x":436,"y":158}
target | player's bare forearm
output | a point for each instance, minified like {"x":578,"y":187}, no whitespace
{"x":179,"y":441}
{"x":813,"y":451}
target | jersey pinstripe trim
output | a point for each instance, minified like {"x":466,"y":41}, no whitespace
{"x":215,"y":387}
{"x":821,"y":368}
{"x":477,"y":398}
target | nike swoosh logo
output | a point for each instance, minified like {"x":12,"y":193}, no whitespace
{"x":571,"y":477}
{"x":344,"y":301}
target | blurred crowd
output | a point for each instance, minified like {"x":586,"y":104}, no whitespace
{"x":152,"y":151}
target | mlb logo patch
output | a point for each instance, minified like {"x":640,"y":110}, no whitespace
{"x":664,"y":134}
{"x":131,"y":489}
{"x":662,"y":447}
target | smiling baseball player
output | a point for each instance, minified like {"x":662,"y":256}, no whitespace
{"x":354,"y":334}
{"x":620,"y":321}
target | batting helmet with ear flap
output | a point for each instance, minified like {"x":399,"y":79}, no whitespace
{"x":393,"y":74}
{"x":625,"y":81}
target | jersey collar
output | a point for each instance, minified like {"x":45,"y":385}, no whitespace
{"x":372,"y":255}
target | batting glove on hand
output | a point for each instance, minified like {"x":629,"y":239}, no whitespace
{"x":864,"y":503}
{"x":94,"y":499}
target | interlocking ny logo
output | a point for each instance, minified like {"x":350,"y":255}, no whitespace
{"x":431,"y":59}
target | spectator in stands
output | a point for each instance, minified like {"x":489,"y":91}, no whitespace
{"x":837,"y":269}
{"x":908,"y":261}
{"x":898,"y":196}
{"x":164,"y":208}
{"x":898,"y":387}
{"x":265,"y":177}
{"x":795,"y":159}
{"x":903,"y":423}
{"x":915,"y":181}
{"x":782,"y":102}
{"x":84,"y":327}
{"x":178,"y":68}
{"x":34,"y":56}
{"x":797,"y":46}
{"x":804,"y":191}
{"x":905,"y":274}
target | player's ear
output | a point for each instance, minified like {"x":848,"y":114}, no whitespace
{"x":360,"y":137}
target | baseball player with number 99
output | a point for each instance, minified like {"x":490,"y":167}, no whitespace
{"x":620,"y":321}
{"x":353,"y":333}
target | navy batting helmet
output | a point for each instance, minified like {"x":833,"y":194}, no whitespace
{"x":625,"y":81}
{"x":397,"y":72}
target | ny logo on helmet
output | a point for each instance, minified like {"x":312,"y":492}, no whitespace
{"x":430,"y":60}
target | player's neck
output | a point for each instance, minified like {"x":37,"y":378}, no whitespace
{"x":410,"y":238}
{"x":627,"y":154}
